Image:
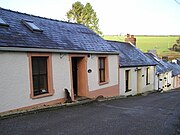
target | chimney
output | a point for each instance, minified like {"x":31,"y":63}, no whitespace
{"x":130,"y":38}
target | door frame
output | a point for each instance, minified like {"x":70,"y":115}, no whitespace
{"x":83,"y":83}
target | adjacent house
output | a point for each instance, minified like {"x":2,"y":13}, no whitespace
{"x":41,"y":57}
{"x":163,"y":73}
{"x":137,"y":71}
{"x":175,"y":79}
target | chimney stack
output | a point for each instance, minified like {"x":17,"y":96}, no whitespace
{"x":130,"y":38}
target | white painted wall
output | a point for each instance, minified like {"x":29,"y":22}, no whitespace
{"x":156,"y":82}
{"x":15,"y":81}
{"x":134,"y":80}
{"x":163,"y":80}
{"x":176,"y":81}
{"x":150,"y":86}
{"x":93,"y":77}
{"x":167,"y":80}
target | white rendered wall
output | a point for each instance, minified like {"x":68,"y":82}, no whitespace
{"x":134,"y":81}
{"x":167,"y":80}
{"x":15,"y":80}
{"x":177,"y":81}
{"x":156,"y":82}
{"x":150,"y":86}
{"x":161,"y":78}
{"x":93,"y":77}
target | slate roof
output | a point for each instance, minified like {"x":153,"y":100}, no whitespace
{"x":56,"y":34}
{"x":130,"y":56}
{"x":175,"y":68}
{"x":161,"y":66}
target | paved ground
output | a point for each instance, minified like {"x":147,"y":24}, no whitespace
{"x":155,"y":114}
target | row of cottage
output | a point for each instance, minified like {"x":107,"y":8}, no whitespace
{"x":41,"y":58}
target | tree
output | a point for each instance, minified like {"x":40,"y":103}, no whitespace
{"x":84,"y":15}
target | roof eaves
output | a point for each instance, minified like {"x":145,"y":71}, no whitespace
{"x":19,"y":49}
{"x":126,"y":66}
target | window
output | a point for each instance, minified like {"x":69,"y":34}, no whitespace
{"x":3,"y":23}
{"x":40,"y":75}
{"x":30,"y":24}
{"x":147,"y":76}
{"x":127,"y":79}
{"x":103,"y":70}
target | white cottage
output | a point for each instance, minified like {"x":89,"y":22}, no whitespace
{"x":175,"y":79}
{"x":41,"y":57}
{"x":137,"y":72}
{"x":163,"y":73}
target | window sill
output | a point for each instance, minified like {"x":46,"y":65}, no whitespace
{"x":42,"y":95}
{"x":103,"y":83}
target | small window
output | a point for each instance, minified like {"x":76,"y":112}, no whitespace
{"x":147,"y":76}
{"x":41,"y":76}
{"x":103,"y":71}
{"x":3,"y":23}
{"x":30,"y":24}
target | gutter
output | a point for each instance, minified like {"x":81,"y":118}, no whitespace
{"x":137,"y":66}
{"x":18,"y":49}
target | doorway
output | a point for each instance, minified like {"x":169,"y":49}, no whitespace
{"x":79,"y":76}
{"x":139,"y":81}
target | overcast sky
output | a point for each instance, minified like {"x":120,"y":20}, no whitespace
{"x":154,"y":17}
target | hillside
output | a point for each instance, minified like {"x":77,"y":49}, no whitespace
{"x":158,"y":43}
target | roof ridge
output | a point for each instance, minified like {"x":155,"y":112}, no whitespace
{"x":117,"y":41}
{"x":39,"y":16}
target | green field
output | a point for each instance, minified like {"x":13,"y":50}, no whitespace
{"x":158,"y":43}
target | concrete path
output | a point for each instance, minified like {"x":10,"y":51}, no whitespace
{"x":154,"y":114}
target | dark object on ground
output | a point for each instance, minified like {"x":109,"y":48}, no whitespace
{"x":68,"y":97}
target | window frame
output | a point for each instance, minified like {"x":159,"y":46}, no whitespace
{"x":106,"y":70}
{"x":31,"y":25}
{"x":49,"y":74}
{"x":3,"y":23}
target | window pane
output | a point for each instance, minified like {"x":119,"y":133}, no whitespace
{"x":127,"y":79}
{"x":43,"y":66}
{"x":102,"y":63}
{"x":102,"y":69}
{"x":2,"y":22}
{"x":102,"y":76}
{"x":43,"y":83}
{"x":35,"y":82}
{"x":35,"y":66}
{"x":32,"y":25}
{"x":147,"y":76}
